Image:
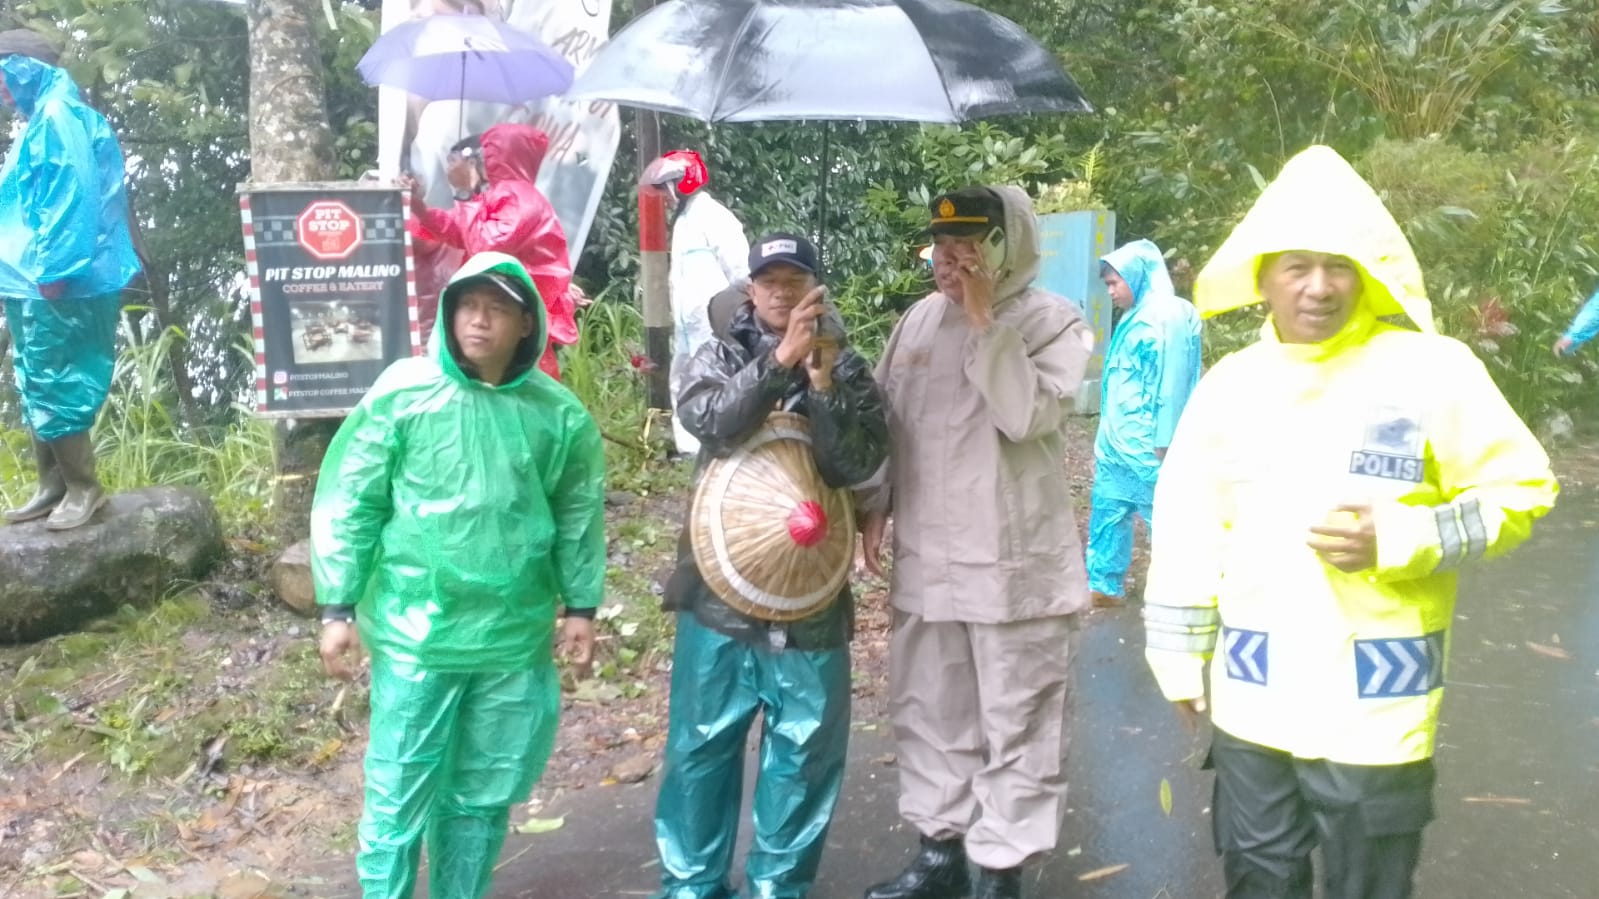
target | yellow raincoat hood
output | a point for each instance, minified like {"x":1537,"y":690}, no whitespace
{"x":1320,"y":204}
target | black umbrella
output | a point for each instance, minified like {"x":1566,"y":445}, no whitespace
{"x":771,"y":60}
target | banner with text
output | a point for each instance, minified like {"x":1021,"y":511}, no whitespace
{"x":332,"y":293}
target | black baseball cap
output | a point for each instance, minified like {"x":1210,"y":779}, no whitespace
{"x":468,"y":146}
{"x":785,"y":247}
{"x":495,"y":279}
{"x":967,"y":212}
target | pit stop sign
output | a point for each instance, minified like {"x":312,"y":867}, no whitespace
{"x":328,"y":230}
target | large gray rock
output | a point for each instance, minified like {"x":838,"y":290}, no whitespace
{"x":134,"y":551}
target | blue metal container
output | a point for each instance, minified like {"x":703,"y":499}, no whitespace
{"x":1072,"y":243}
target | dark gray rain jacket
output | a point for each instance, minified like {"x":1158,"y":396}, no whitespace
{"x":729,"y":388}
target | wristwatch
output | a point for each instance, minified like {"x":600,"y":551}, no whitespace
{"x":331,"y":614}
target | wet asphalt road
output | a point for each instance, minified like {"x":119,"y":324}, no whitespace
{"x":1518,"y":791}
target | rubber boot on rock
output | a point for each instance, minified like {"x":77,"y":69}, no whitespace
{"x":75,"y":457}
{"x":998,"y":884}
{"x":937,"y":872}
{"x":51,"y":487}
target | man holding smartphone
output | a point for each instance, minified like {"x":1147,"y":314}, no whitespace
{"x":782,"y":348}
{"x":988,"y":566}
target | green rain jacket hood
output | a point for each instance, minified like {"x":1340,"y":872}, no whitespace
{"x":531,"y":347}
{"x":456,"y":515}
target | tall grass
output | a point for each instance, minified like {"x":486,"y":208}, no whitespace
{"x":141,"y":441}
{"x":601,"y":370}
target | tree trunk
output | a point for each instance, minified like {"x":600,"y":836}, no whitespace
{"x":290,"y":140}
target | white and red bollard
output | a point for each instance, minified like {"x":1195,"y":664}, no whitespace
{"x":655,"y":290}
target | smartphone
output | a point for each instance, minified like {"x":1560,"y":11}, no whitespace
{"x":992,"y":248}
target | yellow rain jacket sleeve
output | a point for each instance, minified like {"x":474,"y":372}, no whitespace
{"x":1303,"y":657}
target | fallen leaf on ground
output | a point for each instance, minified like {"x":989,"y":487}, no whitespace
{"x":1165,"y":796}
{"x":541,"y":825}
{"x":1102,"y":873}
{"x":1553,"y":652}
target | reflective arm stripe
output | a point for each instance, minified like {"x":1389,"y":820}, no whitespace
{"x":1181,"y":616}
{"x":1462,"y":534}
{"x":1189,"y":643}
{"x":1185,"y":629}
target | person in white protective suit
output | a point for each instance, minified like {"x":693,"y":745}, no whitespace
{"x":709,"y":254}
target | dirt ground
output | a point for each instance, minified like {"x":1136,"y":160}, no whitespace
{"x":196,"y":750}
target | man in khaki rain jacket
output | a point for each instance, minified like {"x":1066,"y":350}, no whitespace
{"x":988,"y":567}
{"x":1324,"y":489}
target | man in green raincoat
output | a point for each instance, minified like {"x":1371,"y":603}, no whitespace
{"x":460,"y":503}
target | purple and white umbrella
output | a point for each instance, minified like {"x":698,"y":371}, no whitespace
{"x":466,"y":57}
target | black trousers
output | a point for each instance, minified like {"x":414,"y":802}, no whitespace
{"x":1271,"y":809}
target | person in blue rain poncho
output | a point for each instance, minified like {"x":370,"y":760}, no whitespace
{"x":1583,"y":328}
{"x":458,"y":506}
{"x":65,"y":256}
{"x":1151,"y":366}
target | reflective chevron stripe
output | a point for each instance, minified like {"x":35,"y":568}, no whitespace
{"x":1411,"y":666}
{"x":1246,"y":655}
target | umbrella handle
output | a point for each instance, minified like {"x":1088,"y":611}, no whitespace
{"x":821,"y":203}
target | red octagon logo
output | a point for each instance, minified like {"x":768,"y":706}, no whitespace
{"x":328,"y":230}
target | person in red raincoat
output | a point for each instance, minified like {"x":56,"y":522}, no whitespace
{"x":511,"y":216}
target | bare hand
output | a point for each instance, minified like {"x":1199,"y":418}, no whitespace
{"x":799,"y":337}
{"x":978,"y":284}
{"x":340,"y":649}
{"x":54,"y":290}
{"x":580,"y":297}
{"x":1562,"y":346}
{"x":1191,"y":712}
{"x":413,"y":192}
{"x":873,"y":525}
{"x":819,"y":363}
{"x":1160,"y":453}
{"x":1349,"y":544}
{"x":577,"y":645}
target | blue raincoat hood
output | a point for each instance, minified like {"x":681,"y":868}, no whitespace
{"x":1142,"y":266}
{"x":63,"y":205}
{"x":1151,"y":366}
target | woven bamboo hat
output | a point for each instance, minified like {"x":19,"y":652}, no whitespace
{"x":770,"y":538}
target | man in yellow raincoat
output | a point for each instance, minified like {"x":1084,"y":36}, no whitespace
{"x":1323,"y":490}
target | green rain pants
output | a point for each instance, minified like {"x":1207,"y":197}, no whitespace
{"x":450,"y":753}
{"x":718,"y":686}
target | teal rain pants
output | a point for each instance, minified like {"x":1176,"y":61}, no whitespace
{"x":1118,"y":494}
{"x":718,"y":686}
{"x":450,"y":753}
{"x":65,"y":351}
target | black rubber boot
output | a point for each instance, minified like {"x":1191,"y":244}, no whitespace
{"x":51,"y":487}
{"x":937,"y":872}
{"x":75,"y":456}
{"x":998,"y":884}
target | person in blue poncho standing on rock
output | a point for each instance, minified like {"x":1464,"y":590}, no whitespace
{"x":1151,"y":366}
{"x":65,"y":256}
